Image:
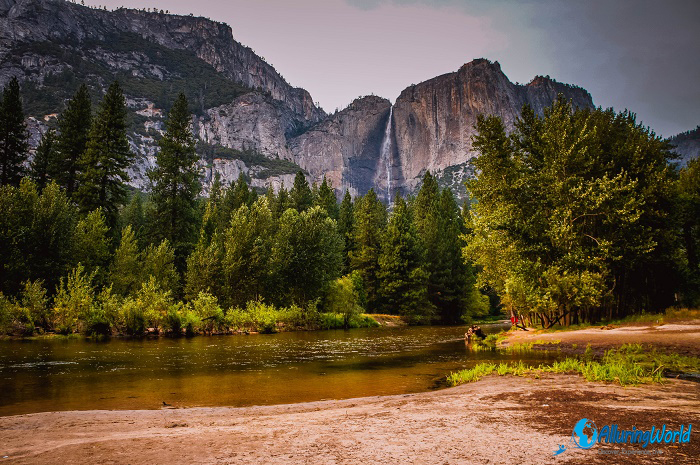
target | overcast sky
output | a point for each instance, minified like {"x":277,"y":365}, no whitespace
{"x":637,"y":54}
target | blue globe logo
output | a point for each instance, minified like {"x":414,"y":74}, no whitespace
{"x":585,"y":434}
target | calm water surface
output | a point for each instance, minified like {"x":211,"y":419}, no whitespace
{"x":78,"y":374}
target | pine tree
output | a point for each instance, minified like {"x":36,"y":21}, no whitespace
{"x":326,"y":199}
{"x":346,"y":229}
{"x":175,"y":183}
{"x":301,"y":195}
{"x":104,"y":163}
{"x":133,"y":215}
{"x":241,"y":193}
{"x":13,"y":135}
{"x":403,"y":282}
{"x":73,"y":131}
{"x":370,"y":218}
{"x":42,"y":167}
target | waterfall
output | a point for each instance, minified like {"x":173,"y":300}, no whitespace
{"x":385,"y":155}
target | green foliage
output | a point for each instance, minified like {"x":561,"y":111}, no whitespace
{"x":689,"y":219}
{"x":572,"y":214}
{"x":301,"y":196}
{"x":105,"y":160}
{"x":74,"y":301}
{"x":204,"y":273}
{"x":175,"y":184}
{"x":185,"y":73}
{"x":342,"y":299}
{"x":346,"y":228}
{"x":370,"y":219}
{"x":36,"y":231}
{"x":133,"y":215}
{"x":307,"y":254}
{"x":34,"y":300}
{"x":403,"y":281}
{"x":91,"y":244}
{"x":125,"y":271}
{"x":247,"y":253}
{"x":270,"y":166}
{"x":451,"y":280}
{"x":43,"y":166}
{"x":158,"y":263}
{"x":326,"y":199}
{"x":206,"y":307}
{"x":629,"y":365}
{"x":73,"y":129}
{"x":13,"y":135}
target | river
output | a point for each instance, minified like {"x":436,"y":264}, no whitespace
{"x":50,"y":374}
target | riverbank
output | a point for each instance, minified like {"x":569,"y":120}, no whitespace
{"x":681,"y":337}
{"x":497,"y":420}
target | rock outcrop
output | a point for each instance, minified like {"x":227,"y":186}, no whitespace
{"x":60,"y":21}
{"x":434,"y":121}
{"x":345,"y":147}
{"x":243,"y":105}
{"x":431,"y":129}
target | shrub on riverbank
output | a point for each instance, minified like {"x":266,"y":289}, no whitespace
{"x":631,"y":364}
{"x":78,"y":308}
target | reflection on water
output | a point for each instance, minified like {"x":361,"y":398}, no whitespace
{"x":77,"y":374}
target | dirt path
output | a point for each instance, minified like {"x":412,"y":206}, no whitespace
{"x":499,"y":420}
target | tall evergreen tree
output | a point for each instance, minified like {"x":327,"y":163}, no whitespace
{"x":175,"y":182}
{"x":42,"y":168}
{"x":104,"y":163}
{"x":403,"y":281}
{"x":301,"y":195}
{"x":370,"y":218}
{"x":13,"y":135}
{"x":326,"y":199}
{"x":346,"y":229}
{"x":133,"y":215}
{"x":73,"y":131}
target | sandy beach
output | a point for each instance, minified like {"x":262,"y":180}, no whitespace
{"x":498,"y":420}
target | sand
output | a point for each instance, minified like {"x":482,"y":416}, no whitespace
{"x":498,"y":420}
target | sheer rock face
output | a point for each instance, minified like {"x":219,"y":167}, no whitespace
{"x":345,"y":147}
{"x":431,"y":127}
{"x":434,"y":121}
{"x":56,"y":20}
{"x":251,"y":122}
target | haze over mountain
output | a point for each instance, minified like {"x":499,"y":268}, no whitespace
{"x":248,"y":119}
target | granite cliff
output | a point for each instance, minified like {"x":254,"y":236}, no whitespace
{"x":248,"y":119}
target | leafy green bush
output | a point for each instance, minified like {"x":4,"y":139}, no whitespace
{"x":133,"y":316}
{"x":206,"y":307}
{"x":35,"y":301}
{"x":74,"y":300}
